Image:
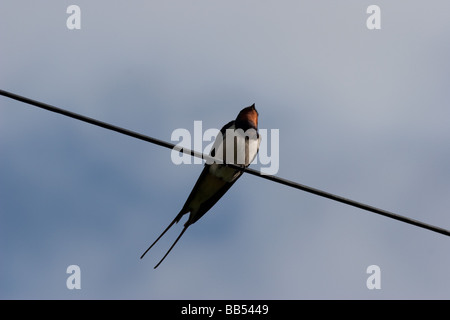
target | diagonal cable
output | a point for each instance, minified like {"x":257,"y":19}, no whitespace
{"x":194,"y":153}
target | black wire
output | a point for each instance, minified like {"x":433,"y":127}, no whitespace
{"x":207,"y":157}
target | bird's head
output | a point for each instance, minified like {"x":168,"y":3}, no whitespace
{"x":247,"y":118}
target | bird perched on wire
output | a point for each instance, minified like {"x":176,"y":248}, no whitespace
{"x":237,"y":143}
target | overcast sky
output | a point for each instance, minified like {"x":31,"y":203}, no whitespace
{"x":361,"y":113}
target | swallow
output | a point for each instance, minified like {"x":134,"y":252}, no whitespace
{"x":238,"y":143}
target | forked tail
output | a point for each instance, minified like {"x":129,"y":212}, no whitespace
{"x":171,"y":224}
{"x":177,"y":218}
{"x":173,"y":245}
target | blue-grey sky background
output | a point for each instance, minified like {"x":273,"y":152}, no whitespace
{"x":363,"y":114}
